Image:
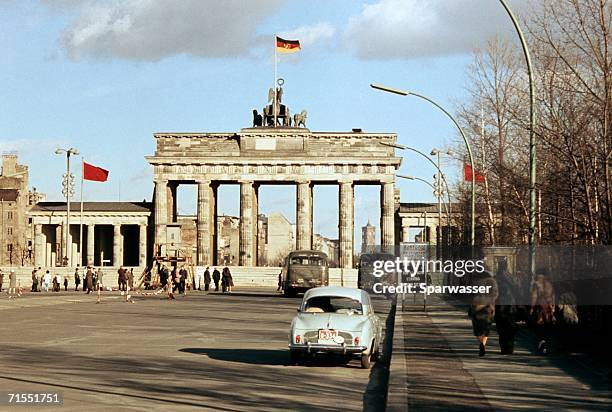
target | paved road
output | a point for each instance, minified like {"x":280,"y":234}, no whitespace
{"x":211,"y":352}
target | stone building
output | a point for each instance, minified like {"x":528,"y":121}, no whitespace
{"x":113,"y":233}
{"x":368,"y":237}
{"x":280,"y":240}
{"x":328,"y":246}
{"x":418,"y":223}
{"x":272,"y":155}
{"x":15,"y":199}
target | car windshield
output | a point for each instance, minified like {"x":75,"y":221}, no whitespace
{"x":333,"y":304}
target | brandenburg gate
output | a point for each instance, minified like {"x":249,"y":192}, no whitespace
{"x":272,"y":154}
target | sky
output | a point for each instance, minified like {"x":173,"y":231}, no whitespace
{"x":103,"y":75}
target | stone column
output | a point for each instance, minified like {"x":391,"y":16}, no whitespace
{"x":69,"y":247}
{"x":246,"y":250}
{"x":117,"y":251}
{"x":205,"y":223}
{"x":91,"y":251}
{"x":346,"y":224}
{"x":406,"y":233}
{"x":255,"y":222}
{"x":39,"y":248}
{"x":161,"y":214}
{"x":142,"y":246}
{"x":304,"y":216}
{"x":172,"y":202}
{"x":387,"y":224}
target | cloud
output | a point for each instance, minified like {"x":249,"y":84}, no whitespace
{"x":30,"y":146}
{"x":309,"y":35}
{"x":150,"y":30}
{"x":398,"y":29}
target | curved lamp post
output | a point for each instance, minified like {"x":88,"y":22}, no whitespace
{"x":467,"y":144}
{"x":68,"y":191}
{"x":532,"y":140}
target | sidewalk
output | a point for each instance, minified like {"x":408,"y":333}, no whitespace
{"x":438,"y":357}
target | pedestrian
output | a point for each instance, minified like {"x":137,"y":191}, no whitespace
{"x":34,"y":280}
{"x":100,"y":276}
{"x":206,"y":279}
{"x":227,"y":279}
{"x":130,"y":279}
{"x":482,"y":309}
{"x":543,"y":309}
{"x":58,"y":282}
{"x":197,"y":280}
{"x":77,"y":279}
{"x":1,"y":279}
{"x":505,"y":309}
{"x":12,"y":284}
{"x":88,"y":284}
{"x":122,"y":278}
{"x":66,"y":284}
{"x":47,"y":280}
{"x":280,"y":282}
{"x":183,"y":279}
{"x":163,"y":276}
{"x":216,"y":277}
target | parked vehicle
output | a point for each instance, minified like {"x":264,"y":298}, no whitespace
{"x":365,"y":276}
{"x":303,"y":270}
{"x":336,"y":320}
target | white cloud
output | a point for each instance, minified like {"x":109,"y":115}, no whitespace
{"x":395,"y":29}
{"x":309,"y":35}
{"x":155,"y":29}
{"x":30,"y":146}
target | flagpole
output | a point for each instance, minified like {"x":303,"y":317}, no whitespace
{"x":81,"y":219}
{"x":275,"y":77}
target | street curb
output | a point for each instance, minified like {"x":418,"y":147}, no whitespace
{"x":397,"y":397}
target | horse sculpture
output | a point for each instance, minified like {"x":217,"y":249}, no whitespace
{"x":300,"y":119}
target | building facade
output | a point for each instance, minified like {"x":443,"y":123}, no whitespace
{"x":108,"y":233}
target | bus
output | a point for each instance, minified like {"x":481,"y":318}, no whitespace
{"x":303,"y":270}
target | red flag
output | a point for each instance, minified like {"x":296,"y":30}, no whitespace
{"x":91,"y":172}
{"x":467,"y":174}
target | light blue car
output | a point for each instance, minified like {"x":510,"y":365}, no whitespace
{"x":336,"y":320}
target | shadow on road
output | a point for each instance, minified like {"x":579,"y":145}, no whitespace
{"x":250,"y":356}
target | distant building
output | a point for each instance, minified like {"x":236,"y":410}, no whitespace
{"x":228,"y":229}
{"x":330,"y":247}
{"x":281,"y":239}
{"x":368,"y":237}
{"x":16,"y":235}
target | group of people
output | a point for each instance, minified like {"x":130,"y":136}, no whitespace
{"x":12,"y":290}
{"x":125,"y":278}
{"x":500,"y":305}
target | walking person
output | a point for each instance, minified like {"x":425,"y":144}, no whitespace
{"x":34,"y":280}
{"x":197,"y":280}
{"x":1,"y":279}
{"x":482,"y":309}
{"x":206,"y":279}
{"x":66,"y":284}
{"x":183,"y":279}
{"x":47,"y":280}
{"x":543,"y":309}
{"x":77,"y":279}
{"x":88,"y":280}
{"x":122,"y":279}
{"x":216,"y":277}
{"x":57,"y":282}
{"x":12,"y":284}
{"x":228,"y":281}
{"x":100,"y":277}
{"x":505,"y":309}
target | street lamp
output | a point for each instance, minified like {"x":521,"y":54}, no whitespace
{"x":467,"y":144}
{"x":67,"y":191}
{"x":532,"y":141}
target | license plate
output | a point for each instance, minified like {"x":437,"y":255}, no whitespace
{"x":327,"y":335}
